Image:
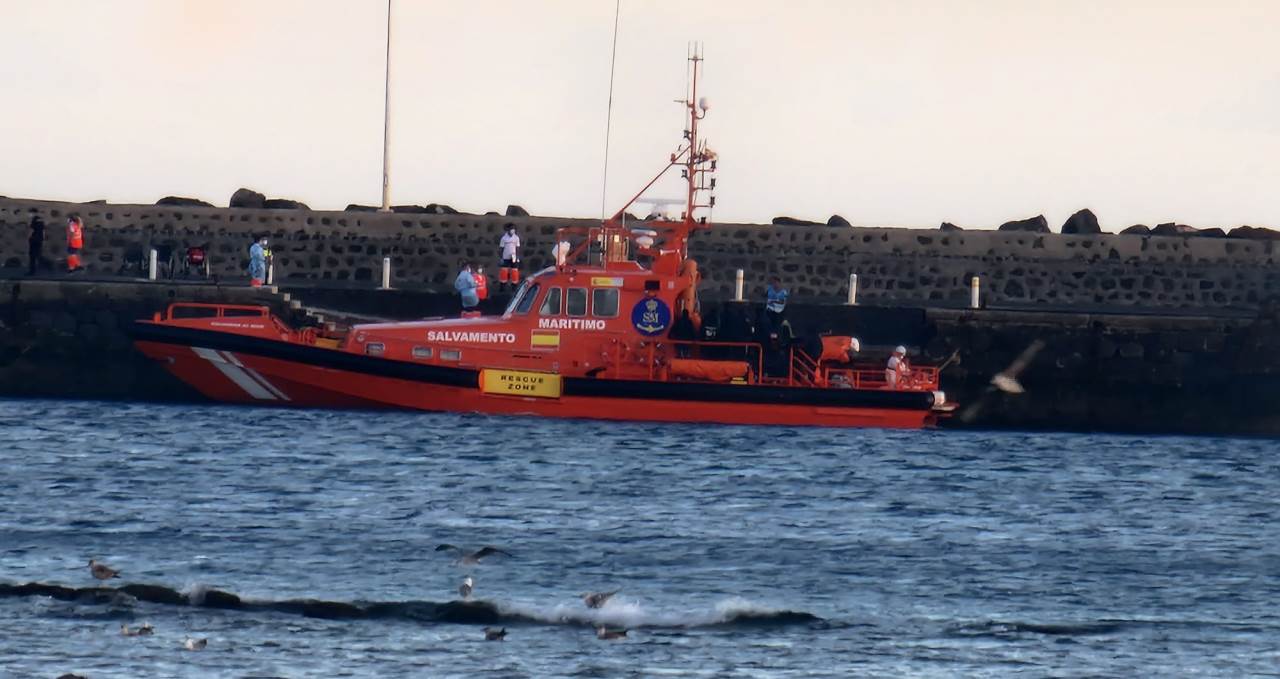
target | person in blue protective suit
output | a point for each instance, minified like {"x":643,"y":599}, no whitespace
{"x":775,"y":301}
{"x":258,"y":262}
{"x":465,"y":284}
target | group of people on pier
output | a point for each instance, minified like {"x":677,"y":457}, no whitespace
{"x":35,"y":244}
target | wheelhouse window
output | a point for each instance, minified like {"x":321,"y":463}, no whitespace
{"x":526,"y":299}
{"x":604,"y":302}
{"x":551,"y":304}
{"x":576,"y":302}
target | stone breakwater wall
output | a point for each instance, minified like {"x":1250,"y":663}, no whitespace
{"x":895,"y":266}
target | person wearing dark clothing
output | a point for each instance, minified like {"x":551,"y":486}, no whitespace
{"x":35,"y":244}
{"x":683,"y":331}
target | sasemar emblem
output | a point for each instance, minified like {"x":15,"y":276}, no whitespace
{"x":651,"y":316}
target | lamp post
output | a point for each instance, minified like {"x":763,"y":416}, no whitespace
{"x":386,"y":124}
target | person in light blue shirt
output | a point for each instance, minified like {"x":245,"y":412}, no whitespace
{"x":776,"y":301}
{"x":258,"y":262}
{"x":465,"y":284}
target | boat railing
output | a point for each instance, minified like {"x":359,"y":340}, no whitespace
{"x":919,"y":379}
{"x":183,"y":310}
{"x":804,"y":370}
{"x":197,"y":311}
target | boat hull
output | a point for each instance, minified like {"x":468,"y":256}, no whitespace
{"x":232,"y":368}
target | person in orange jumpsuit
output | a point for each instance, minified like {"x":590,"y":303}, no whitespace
{"x":75,"y":242}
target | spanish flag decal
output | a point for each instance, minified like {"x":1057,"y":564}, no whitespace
{"x":544,"y":339}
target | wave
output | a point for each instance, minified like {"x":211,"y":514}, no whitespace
{"x":729,"y":613}
{"x":1014,"y":629}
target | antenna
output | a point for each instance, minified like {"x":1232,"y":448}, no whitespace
{"x":608,"y":119}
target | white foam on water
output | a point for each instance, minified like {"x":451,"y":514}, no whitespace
{"x":194,"y":592}
{"x":631,"y":613}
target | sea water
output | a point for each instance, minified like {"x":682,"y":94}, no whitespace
{"x":737,"y":551}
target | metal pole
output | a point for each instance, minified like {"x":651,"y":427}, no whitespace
{"x":386,"y":124}
{"x":151,"y":270}
{"x":737,"y":286}
{"x":386,"y":273}
{"x":853,"y":289}
{"x":974,"y":286}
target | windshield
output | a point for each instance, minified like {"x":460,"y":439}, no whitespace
{"x":519,"y":298}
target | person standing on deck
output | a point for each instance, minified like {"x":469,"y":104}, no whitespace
{"x":258,"y":262}
{"x":510,"y":246}
{"x":465,"y":284}
{"x":75,"y":242}
{"x":775,"y":301}
{"x":35,"y":245}
{"x":897,"y":371}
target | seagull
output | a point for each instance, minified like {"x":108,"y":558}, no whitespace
{"x":493,"y":634}
{"x":102,"y":571}
{"x":468,"y":558}
{"x":465,"y":588}
{"x":607,"y":634}
{"x":143,"y":630}
{"x":597,"y":599}
{"x":195,"y":644}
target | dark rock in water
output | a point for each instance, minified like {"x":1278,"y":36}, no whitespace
{"x":183,"y":202}
{"x":216,"y":598}
{"x":410,"y":209}
{"x":438,"y":209}
{"x":468,"y":612}
{"x":284,"y":204}
{"x":1254,"y":233}
{"x":948,"y":226}
{"x":69,"y":675}
{"x":1037,"y":224}
{"x":154,"y":594}
{"x":1138,"y":229}
{"x":792,"y":221}
{"x":328,"y":610}
{"x":837,"y":220}
{"x":354,"y":207}
{"x":247,"y":198}
{"x":1082,"y":222}
{"x":516,"y":211}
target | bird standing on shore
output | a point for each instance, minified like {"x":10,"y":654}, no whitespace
{"x":465,"y":588}
{"x":597,"y":599}
{"x":470,"y":558}
{"x":102,"y":571}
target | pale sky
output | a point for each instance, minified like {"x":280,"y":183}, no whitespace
{"x":902,"y":113}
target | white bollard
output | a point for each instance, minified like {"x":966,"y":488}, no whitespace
{"x":271,"y":273}
{"x":153,"y":263}
{"x":853,"y":289}
{"x":386,"y":273}
{"x":973,"y":293}
{"x":737,"y":286}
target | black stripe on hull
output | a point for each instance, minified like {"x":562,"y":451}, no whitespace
{"x":573,"y":386}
